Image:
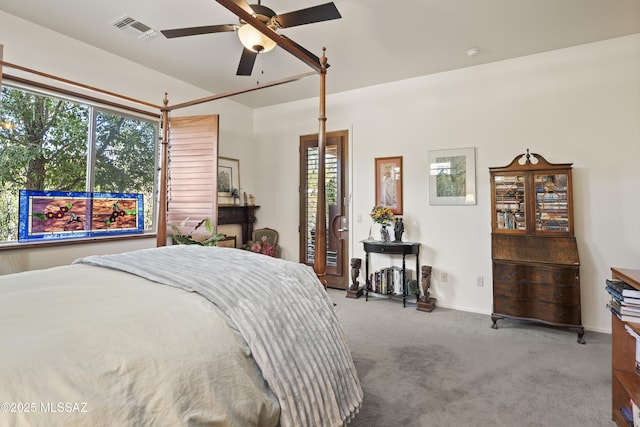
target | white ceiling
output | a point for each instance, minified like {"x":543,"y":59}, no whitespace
{"x":376,"y":41}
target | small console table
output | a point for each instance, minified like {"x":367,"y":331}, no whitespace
{"x":391,"y":248}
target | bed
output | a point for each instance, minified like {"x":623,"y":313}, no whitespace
{"x":176,"y":335}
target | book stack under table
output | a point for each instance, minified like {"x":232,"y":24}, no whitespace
{"x":390,"y":281}
{"x":625,"y":347}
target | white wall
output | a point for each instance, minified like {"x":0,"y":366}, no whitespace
{"x":579,"y":105}
{"x":35,"y":47}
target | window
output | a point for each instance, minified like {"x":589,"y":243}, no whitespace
{"x":51,"y":143}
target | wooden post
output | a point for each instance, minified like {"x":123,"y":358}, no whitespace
{"x":320,"y":258}
{"x":161,"y":235}
{"x":1,"y":48}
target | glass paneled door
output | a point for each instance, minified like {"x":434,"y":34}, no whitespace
{"x":337,"y":272}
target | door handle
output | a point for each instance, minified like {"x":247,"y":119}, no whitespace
{"x":343,"y":229}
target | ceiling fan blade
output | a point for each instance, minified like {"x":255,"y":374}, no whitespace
{"x":194,"y":31}
{"x":245,"y":67}
{"x":323,"y":12}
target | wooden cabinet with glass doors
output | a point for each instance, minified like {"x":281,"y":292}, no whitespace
{"x":536,"y":267}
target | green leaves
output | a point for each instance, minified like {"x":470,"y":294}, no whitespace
{"x":181,"y":238}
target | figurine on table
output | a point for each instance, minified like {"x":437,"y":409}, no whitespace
{"x":398,"y":229}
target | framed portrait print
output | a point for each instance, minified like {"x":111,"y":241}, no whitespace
{"x":388,"y":177}
{"x":228,"y":179}
{"x":452,"y":176}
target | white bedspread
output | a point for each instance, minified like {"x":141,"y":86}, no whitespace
{"x":283,"y":313}
{"x":82,"y":345}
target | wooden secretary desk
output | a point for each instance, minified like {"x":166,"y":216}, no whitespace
{"x":536,"y":267}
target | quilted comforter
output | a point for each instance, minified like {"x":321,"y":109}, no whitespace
{"x":253,"y":341}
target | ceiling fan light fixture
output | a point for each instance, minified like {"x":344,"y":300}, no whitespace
{"x":254,"y":40}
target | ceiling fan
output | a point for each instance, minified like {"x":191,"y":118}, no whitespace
{"x":255,"y":41}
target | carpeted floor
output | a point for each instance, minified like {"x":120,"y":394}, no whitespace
{"x":450,"y":368}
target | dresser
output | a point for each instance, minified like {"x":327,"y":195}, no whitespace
{"x":535,"y":260}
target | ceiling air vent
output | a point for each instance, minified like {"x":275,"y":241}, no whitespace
{"x":134,"y":27}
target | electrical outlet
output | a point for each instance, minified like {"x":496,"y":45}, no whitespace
{"x":480,"y":281}
{"x":444,"y":276}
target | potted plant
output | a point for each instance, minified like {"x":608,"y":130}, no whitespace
{"x":182,"y":238}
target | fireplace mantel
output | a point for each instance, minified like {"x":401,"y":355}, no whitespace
{"x":238,"y":214}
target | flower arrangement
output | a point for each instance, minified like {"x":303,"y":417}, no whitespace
{"x":381,"y":215}
{"x":262,"y":246}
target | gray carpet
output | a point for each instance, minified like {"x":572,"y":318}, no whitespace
{"x":450,"y":368}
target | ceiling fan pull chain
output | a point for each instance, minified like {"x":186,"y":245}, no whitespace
{"x":260,"y":65}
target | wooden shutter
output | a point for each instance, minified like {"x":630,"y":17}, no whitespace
{"x":192,"y":181}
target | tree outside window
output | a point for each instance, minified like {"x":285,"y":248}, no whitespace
{"x":49,"y":146}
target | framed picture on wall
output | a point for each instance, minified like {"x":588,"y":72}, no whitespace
{"x":228,"y":179}
{"x":452,"y":176}
{"x":388,"y":178}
